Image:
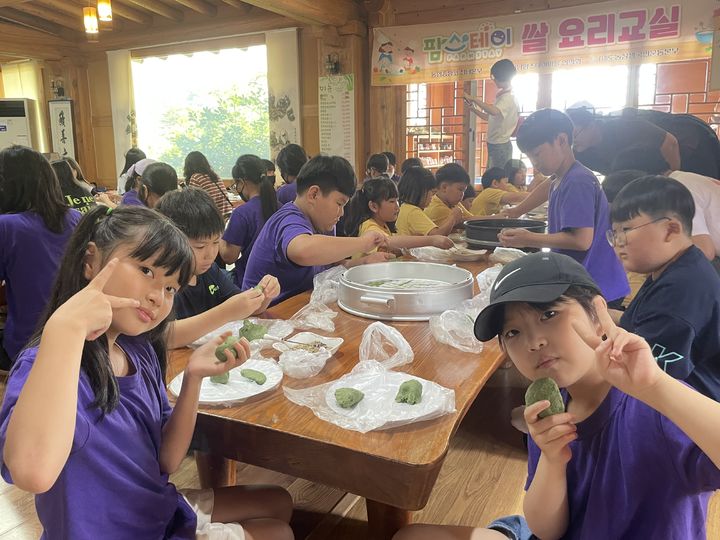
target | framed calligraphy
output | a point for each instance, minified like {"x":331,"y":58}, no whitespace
{"x":62,"y":127}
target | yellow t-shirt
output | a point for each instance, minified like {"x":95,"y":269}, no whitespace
{"x":413,"y":221}
{"x":512,"y":188}
{"x":488,"y":201}
{"x":371,"y":225}
{"x":438,"y":211}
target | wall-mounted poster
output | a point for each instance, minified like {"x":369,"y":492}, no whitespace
{"x":62,"y":128}
{"x":337,"y":116}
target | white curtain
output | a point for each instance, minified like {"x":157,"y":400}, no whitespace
{"x":283,"y":76}
{"x":24,"y":80}
{"x":122,"y":102}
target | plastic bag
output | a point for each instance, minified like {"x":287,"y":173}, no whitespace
{"x":314,"y":315}
{"x":456,"y":328}
{"x":325,"y":285}
{"x":386,"y":345}
{"x":430,"y":254}
{"x":276,"y":329}
{"x":505,"y":255}
{"x":378,"y":409}
{"x":487,"y":277}
{"x":300,"y":364}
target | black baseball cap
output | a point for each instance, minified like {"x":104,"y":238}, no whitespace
{"x":539,"y":277}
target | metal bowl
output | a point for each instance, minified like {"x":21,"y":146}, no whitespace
{"x":487,"y":230}
{"x":362,"y":293}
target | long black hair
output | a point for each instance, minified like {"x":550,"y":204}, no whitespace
{"x":153,"y":237}
{"x":28,"y":183}
{"x":250,"y":168}
{"x":374,"y":190}
{"x":290,"y":160}
{"x":157,"y":178}
{"x":415,"y":184}
{"x":197,"y":163}
{"x":132,"y":156}
{"x":68,"y":185}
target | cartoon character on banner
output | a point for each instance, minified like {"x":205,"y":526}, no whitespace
{"x":385,"y":59}
{"x":408,"y":60}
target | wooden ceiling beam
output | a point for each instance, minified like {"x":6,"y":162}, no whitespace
{"x":72,"y":22}
{"x":317,"y":12}
{"x":26,"y":43}
{"x":237,"y":4}
{"x":159,"y":8}
{"x":200,"y":6}
{"x":35,"y":23}
{"x":119,"y":11}
{"x":10,"y":3}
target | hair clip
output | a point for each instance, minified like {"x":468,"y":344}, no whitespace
{"x":107,"y":212}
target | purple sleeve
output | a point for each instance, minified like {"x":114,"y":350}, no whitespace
{"x":577,"y":205}
{"x":18,"y":375}
{"x":693,"y":467}
{"x":238,"y":229}
{"x":291,"y":230}
{"x":4,"y":241}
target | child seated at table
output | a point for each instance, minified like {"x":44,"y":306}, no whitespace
{"x":374,"y":207}
{"x":86,"y":424}
{"x":297,"y":242}
{"x":516,"y":173}
{"x":636,"y":453}
{"x":677,"y":310}
{"x":289,"y":160}
{"x":417,"y":187}
{"x":495,"y":193}
{"x":452,"y":181}
{"x":210,"y":299}
{"x":156,"y":180}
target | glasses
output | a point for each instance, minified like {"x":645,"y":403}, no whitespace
{"x":619,"y":239}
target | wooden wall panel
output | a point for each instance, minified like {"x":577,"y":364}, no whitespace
{"x":102,"y":128}
{"x":309,"y":62}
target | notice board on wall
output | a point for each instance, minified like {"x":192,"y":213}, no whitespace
{"x":337,"y":115}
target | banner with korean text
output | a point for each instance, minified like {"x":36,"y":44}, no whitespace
{"x":607,"y":33}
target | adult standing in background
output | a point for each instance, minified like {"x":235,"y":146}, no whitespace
{"x":131,"y":158}
{"x":502,"y":116}
{"x":199,"y":173}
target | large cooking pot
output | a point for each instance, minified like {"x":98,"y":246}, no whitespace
{"x":487,"y":230}
{"x":403,"y":291}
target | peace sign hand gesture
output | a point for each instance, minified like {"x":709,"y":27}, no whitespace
{"x":624,"y":359}
{"x":90,"y":310}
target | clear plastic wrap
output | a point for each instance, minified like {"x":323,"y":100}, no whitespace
{"x":301,"y":364}
{"x":314,"y":315}
{"x":487,"y":277}
{"x":276,"y":329}
{"x":386,"y":345}
{"x":505,"y":255}
{"x":455,"y":328}
{"x":378,"y":408}
{"x":453,"y":254}
{"x":325,"y":285}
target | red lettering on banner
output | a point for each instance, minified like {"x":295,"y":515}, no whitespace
{"x":601,"y":29}
{"x":535,"y":38}
{"x":632,"y":25}
{"x":663,"y":27}
{"x":571,"y":33}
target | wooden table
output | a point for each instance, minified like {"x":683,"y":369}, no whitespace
{"x":395,"y":470}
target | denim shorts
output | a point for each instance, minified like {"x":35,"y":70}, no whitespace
{"x":514,"y":527}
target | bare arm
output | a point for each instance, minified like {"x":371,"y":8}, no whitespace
{"x":514,"y":198}
{"x":478,"y":112}
{"x":488,"y":108}
{"x":670,"y":150}
{"x":229,"y":252}
{"x":576,"y":239}
{"x":407,"y":242}
{"x":318,"y":250}
{"x":546,"y":502}
{"x":534,"y":199}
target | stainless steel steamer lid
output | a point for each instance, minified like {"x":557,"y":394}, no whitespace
{"x":450,"y":275}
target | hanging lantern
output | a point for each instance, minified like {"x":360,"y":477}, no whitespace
{"x":90,"y":19}
{"x":104,"y":10}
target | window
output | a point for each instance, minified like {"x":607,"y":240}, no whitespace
{"x":213,"y":102}
{"x":604,"y":87}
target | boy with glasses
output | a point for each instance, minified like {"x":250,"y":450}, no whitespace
{"x":677,"y":309}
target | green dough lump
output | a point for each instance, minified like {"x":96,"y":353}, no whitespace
{"x":542,"y":389}
{"x":258,"y":377}
{"x":221,"y":379}
{"x":347,"y":398}
{"x":252,"y":331}
{"x":229,"y":343}
{"x":409,"y":392}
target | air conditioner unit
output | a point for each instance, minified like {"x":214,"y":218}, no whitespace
{"x":17,"y":122}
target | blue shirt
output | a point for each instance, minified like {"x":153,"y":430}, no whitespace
{"x":679,"y":316}
{"x":242,"y":230}
{"x":212,"y":289}
{"x":577,"y":201}
{"x":270,"y":254}
{"x":634,"y":475}
{"x":131,"y":198}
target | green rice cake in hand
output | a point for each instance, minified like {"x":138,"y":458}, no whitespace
{"x":347,"y":398}
{"x":258,"y":377}
{"x":252,"y":331}
{"x":410,"y":392}
{"x":221,"y":379}
{"x":545,"y":389}
{"x":228,"y":344}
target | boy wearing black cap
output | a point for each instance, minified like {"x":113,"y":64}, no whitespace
{"x":635,"y":455}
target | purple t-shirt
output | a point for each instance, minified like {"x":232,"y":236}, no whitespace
{"x":30,"y":256}
{"x":269,"y":255}
{"x":111,"y":486}
{"x":577,"y":202}
{"x":634,"y":474}
{"x":130,"y":198}
{"x":287,"y":193}
{"x":242,"y":230}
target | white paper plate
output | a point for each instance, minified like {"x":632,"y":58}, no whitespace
{"x":332,"y":343}
{"x":238,"y":388}
{"x":276,"y":328}
{"x":380,"y":390}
